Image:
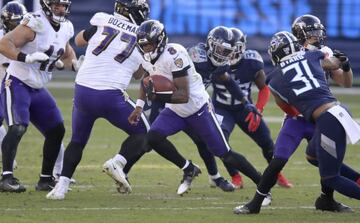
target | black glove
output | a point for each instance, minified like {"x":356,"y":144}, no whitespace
{"x":149,"y":89}
{"x":345,"y":64}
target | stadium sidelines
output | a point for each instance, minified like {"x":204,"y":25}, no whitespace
{"x":269,"y":119}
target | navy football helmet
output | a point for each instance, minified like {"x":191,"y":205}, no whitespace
{"x":307,"y":26}
{"x":46,"y":7}
{"x":135,"y":10}
{"x":283,"y":44}
{"x":151,"y":39}
{"x":219,"y":45}
{"x":11,"y":15}
{"x":239,"y":41}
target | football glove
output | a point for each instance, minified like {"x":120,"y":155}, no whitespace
{"x":254,"y":117}
{"x":76,"y":64}
{"x":344,"y":60}
{"x":149,"y":89}
{"x":36,"y":57}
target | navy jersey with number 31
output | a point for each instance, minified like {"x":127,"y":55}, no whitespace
{"x":301,"y":82}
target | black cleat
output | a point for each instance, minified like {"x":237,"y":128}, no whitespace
{"x":244,"y":209}
{"x":325,"y":203}
{"x":45,"y":184}
{"x":224,"y":184}
{"x":12,"y":185}
{"x":188,"y":177}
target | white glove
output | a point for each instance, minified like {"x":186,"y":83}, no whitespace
{"x":77,"y":63}
{"x":36,"y":57}
{"x":59,"y":64}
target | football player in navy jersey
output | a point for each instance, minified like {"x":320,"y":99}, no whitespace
{"x":299,"y":84}
{"x":311,"y":34}
{"x":244,"y":68}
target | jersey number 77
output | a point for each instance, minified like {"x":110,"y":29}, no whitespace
{"x":110,"y":35}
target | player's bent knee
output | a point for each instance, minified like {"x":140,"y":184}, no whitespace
{"x":56,"y":132}
{"x":154,"y":138}
{"x":17,"y":130}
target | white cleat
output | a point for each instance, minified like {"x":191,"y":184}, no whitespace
{"x":60,"y":189}
{"x":188,"y":177}
{"x":115,"y":170}
{"x":267,"y":200}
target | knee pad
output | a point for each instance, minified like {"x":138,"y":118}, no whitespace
{"x":56,"y":132}
{"x":17,"y":130}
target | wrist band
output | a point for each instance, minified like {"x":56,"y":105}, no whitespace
{"x":21,"y":57}
{"x":140,"y":103}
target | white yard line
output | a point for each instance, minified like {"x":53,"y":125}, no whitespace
{"x":71,"y":209}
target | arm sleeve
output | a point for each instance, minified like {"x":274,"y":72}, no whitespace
{"x":89,"y":32}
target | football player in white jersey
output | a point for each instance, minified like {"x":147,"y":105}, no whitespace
{"x":187,"y":107}
{"x":33,"y":47}
{"x":11,"y":15}
{"x":111,"y":60}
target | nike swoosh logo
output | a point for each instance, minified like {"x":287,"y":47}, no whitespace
{"x":200,"y":113}
{"x":14,"y":187}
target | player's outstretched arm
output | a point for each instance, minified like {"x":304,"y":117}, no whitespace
{"x":83,"y":37}
{"x":12,"y":41}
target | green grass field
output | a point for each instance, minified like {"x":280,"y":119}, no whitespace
{"x":155,"y":180}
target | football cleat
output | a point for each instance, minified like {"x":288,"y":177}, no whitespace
{"x":115,"y":170}
{"x":60,"y":189}
{"x":242,"y":209}
{"x":283,"y":182}
{"x":188,"y":177}
{"x":237,"y":181}
{"x":324,"y":203}
{"x":45,"y":184}
{"x":12,"y":185}
{"x":267,"y":200}
{"x":222,"y":184}
{"x":57,"y":176}
{"x":121,"y":188}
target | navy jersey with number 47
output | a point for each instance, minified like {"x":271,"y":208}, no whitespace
{"x":301,"y":82}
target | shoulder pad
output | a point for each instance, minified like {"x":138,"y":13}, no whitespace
{"x":70,"y":29}
{"x":33,"y":21}
{"x":327,"y":51}
{"x":197,"y":53}
{"x":253,"y":55}
{"x":99,"y":19}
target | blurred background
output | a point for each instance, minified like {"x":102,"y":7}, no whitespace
{"x":188,"y":21}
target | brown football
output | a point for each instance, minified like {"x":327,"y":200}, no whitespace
{"x":161,"y":84}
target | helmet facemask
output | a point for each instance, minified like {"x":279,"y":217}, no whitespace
{"x":219,"y":51}
{"x":151,"y":39}
{"x":57,"y":18}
